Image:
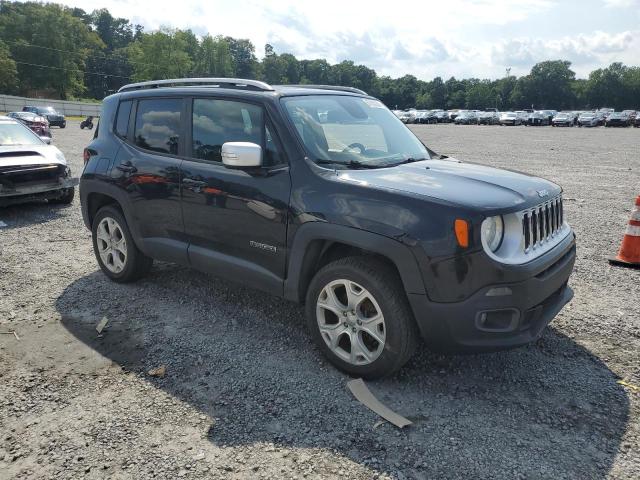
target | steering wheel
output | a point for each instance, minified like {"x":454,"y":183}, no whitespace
{"x":359,"y":146}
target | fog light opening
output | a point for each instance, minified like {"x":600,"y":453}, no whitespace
{"x":498,"y":320}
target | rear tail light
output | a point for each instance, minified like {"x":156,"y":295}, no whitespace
{"x":86,"y":155}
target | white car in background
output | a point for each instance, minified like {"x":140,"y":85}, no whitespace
{"x":510,"y":118}
{"x":30,"y":169}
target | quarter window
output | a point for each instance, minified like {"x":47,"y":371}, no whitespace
{"x":218,"y":121}
{"x":122,"y":120}
{"x":158,"y":125}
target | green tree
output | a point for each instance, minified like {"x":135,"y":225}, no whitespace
{"x":480,"y":95}
{"x":158,"y":55}
{"x":8,"y":71}
{"x":49,"y":45}
{"x":292,"y":68}
{"x":112,"y":62}
{"x":438,"y":93}
{"x":244,"y":57}
{"x":274,"y":70}
{"x":456,"y":95}
{"x":213,"y":58}
{"x":114,"y":32}
{"x":549,"y":85}
{"x":612,"y":87}
{"x":317,"y":72}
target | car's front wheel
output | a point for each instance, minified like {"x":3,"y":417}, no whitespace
{"x":359,"y":317}
{"x":117,"y":254}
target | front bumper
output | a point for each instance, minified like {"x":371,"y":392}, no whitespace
{"x":57,"y":122}
{"x":25,"y":193}
{"x":501,"y":315}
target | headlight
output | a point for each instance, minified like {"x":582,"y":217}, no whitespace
{"x":492,"y":232}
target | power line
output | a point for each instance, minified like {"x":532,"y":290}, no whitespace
{"x":73,"y":70}
{"x":95,"y":54}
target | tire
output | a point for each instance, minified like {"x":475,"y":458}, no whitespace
{"x":82,"y":126}
{"x":66,"y":198}
{"x":121,"y":267}
{"x":380,"y":292}
{"x":63,"y":125}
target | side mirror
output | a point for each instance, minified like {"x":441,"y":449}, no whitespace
{"x":241,"y":155}
{"x":46,"y":140}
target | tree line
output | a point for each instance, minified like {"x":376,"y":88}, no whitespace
{"x":59,"y":52}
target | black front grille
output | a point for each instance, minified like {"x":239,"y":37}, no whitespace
{"x":541,"y":222}
{"x":30,"y":174}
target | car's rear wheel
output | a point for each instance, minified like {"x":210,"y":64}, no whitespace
{"x":359,"y":317}
{"x":117,"y":254}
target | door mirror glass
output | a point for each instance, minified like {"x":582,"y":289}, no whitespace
{"x":241,"y":155}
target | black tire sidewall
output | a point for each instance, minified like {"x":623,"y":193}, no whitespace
{"x":388,"y":359}
{"x":128,"y":272}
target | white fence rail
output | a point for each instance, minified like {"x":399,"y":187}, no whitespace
{"x":9,"y":103}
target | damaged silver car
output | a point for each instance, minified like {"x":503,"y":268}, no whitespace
{"x":30,"y":169}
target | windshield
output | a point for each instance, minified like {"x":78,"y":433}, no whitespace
{"x":355,"y":133}
{"x":17,"y":134}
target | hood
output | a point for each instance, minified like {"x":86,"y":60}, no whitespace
{"x":30,"y":155}
{"x":462,"y":184}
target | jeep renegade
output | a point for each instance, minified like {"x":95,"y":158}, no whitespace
{"x":321,"y":195}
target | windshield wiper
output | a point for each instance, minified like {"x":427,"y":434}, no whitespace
{"x":407,"y":160}
{"x":351,"y":164}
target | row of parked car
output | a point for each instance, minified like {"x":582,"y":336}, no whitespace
{"x":603,"y":117}
{"x":40,"y":120}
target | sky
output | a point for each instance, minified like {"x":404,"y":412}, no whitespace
{"x":427,"y":38}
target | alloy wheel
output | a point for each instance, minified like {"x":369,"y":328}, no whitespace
{"x":112,"y":245}
{"x":351,"y":322}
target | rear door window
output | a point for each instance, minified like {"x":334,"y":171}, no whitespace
{"x":157,"y":126}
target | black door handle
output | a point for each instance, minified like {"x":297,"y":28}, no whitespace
{"x":190,"y":182}
{"x":195,"y":186}
{"x":127,"y":167}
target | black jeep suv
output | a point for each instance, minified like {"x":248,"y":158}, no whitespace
{"x":322,"y":196}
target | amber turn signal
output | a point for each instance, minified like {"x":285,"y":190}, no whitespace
{"x":461,"y":227}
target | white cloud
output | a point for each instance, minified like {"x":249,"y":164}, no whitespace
{"x":476,"y":38}
{"x":585,"y":51}
{"x":622,"y":3}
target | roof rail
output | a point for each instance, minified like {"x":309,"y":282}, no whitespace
{"x":205,"y":82}
{"x":330,"y":87}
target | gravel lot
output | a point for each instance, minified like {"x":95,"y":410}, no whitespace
{"x":246,"y":395}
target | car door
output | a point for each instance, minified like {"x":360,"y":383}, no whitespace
{"x":235,"y":220}
{"x":147,"y":169}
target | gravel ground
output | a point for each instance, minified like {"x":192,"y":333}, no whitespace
{"x":246,"y":395}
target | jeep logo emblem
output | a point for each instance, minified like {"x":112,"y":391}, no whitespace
{"x":542,"y":193}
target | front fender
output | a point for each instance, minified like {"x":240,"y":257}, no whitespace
{"x":394,"y":250}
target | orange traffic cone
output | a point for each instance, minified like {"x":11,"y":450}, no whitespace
{"x":629,"y":254}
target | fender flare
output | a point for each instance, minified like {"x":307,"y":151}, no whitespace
{"x":121,"y":198}
{"x":398,"y":253}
